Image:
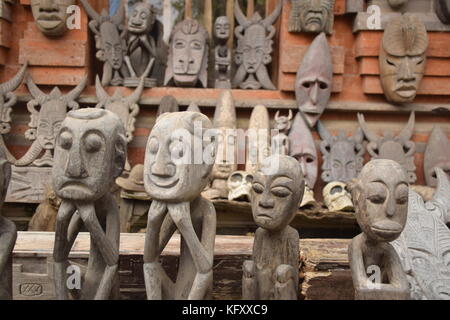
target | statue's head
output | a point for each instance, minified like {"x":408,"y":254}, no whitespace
{"x":275,"y":196}
{"x":5,"y":175}
{"x":179,"y":157}
{"x":90,"y":153}
{"x":142,"y":18}
{"x":222,"y":28}
{"x":316,"y":15}
{"x":380,"y":195}
{"x":188,"y":54}
{"x":51,"y":16}
{"x":112,"y":44}
{"x":402,"y":58}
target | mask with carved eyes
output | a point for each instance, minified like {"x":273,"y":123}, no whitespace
{"x":337,"y":197}
{"x":239,"y":185}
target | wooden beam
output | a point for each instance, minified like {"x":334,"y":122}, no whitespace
{"x":188,"y":8}
{"x":250,"y":8}
{"x":208,"y":17}
{"x":230,"y":15}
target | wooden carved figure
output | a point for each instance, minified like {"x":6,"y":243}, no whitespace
{"x":380,"y":194}
{"x":313,"y":16}
{"x":280,"y":141}
{"x":402,"y":58}
{"x":8,"y":233}
{"x":436,"y":155}
{"x":343,"y":156}
{"x":222,"y":53}
{"x":46,"y":122}
{"x":442,"y":8}
{"x":424,"y":245}
{"x":399,"y":148}
{"x":174,"y":177}
{"x":254,"y":49}
{"x":314,"y":80}
{"x":226,"y":160}
{"x":167,"y":104}
{"x":90,"y":153}
{"x":51,"y":16}
{"x":109,"y":33}
{"x":272,"y":274}
{"x":188,"y":55}
{"x":258,"y":138}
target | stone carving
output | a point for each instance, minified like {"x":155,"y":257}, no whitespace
{"x":437,"y":154}
{"x":46,"y":122}
{"x":380,"y":194}
{"x":175,"y":185}
{"x":146,"y":51}
{"x":222,"y":53}
{"x":8,"y":233}
{"x":442,"y":8}
{"x":109,"y":33}
{"x":226,"y":160}
{"x":402,"y":58}
{"x":188,"y":55}
{"x":167,"y":104}
{"x":254,"y":49}
{"x":424,"y":246}
{"x":90,"y":154}
{"x":51,"y":16}
{"x":303,"y":148}
{"x":314,"y":80}
{"x":258,"y":138}
{"x":313,"y":16}
{"x":336,"y":197}
{"x":272,"y":274}
{"x":280,"y":141}
{"x":399,"y":148}
{"x":343,"y":156}
{"x":239,"y":185}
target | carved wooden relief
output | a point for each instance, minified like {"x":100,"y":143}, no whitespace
{"x":437,"y":154}
{"x":313,"y":16}
{"x":28,"y":184}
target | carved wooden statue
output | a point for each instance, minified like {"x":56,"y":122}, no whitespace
{"x":222,"y":53}
{"x":167,"y":104}
{"x":442,"y":8}
{"x":280,"y":141}
{"x":193,"y":107}
{"x":343,"y":156}
{"x":188,"y":55}
{"x":436,"y":155}
{"x":90,"y":154}
{"x":258,"y":138}
{"x":424,"y":246}
{"x":312,"y":16}
{"x":272,"y":274}
{"x":399,"y":148}
{"x":402,"y":58}
{"x":46,"y":121}
{"x":175,"y":184}
{"x":314,"y":80}
{"x":110,"y":42}
{"x":146,"y":52}
{"x":226,"y":160}
{"x":254,"y":49}
{"x":380,"y":194}
{"x":8,"y":234}
{"x":51,"y":16}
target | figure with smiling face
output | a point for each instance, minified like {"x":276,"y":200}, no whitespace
{"x":91,"y":151}
{"x":380,"y":194}
{"x":174,"y":178}
{"x":51,"y":16}
{"x":313,"y":16}
{"x":272,"y":274}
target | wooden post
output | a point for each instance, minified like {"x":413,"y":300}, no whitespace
{"x":230,"y":15}
{"x":187,"y":8}
{"x":250,"y":8}
{"x":167,"y":19}
{"x":208,"y":17}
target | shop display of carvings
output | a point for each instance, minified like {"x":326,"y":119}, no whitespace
{"x":436,"y":155}
{"x":90,"y":154}
{"x":222,"y":54}
{"x":313,"y":16}
{"x":51,"y":16}
{"x":280,"y":141}
{"x":314,"y":80}
{"x":380,"y":194}
{"x":272,"y":274}
{"x":399,"y":147}
{"x":254,"y":50}
{"x":178,"y":205}
{"x":258,"y":133}
{"x":403,"y":58}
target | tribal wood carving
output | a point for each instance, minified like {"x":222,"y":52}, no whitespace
{"x":280,"y":141}
{"x":258,"y":134}
{"x":51,"y":16}
{"x":313,"y":16}
{"x":222,"y":53}
{"x":436,"y":155}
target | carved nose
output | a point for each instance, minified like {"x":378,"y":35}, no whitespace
{"x":314,"y":93}
{"x":75,"y":167}
{"x":266,"y":203}
{"x":406,"y":73}
{"x":48,"y":6}
{"x":163,"y":171}
{"x":390,"y":209}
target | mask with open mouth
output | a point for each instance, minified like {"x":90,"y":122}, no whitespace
{"x":51,"y":16}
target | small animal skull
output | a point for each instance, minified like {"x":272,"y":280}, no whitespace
{"x":239,"y":185}
{"x":337,"y":198}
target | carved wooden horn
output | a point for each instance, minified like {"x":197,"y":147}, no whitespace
{"x":358,"y":137}
{"x":240,"y":16}
{"x":75,"y":93}
{"x":34,"y":90}
{"x":119,"y":17}
{"x":323,"y":132}
{"x":15,"y":82}
{"x":408,"y":131}
{"x":371,"y":136}
{"x":101,"y":93}
{"x":270,"y":20}
{"x":291,"y":115}
{"x":136,"y":95}
{"x":443,"y":188}
{"x":90,"y":11}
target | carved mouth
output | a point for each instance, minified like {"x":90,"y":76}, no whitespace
{"x":264,"y":216}
{"x":406,"y":91}
{"x":74,"y":186}
{"x":163,"y":182}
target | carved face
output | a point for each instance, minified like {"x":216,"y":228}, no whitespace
{"x":239,"y":185}
{"x":226,"y":162}
{"x":51,"y":117}
{"x":51,"y":15}
{"x":253,"y":48}
{"x":141,"y":19}
{"x":90,"y":154}
{"x":381,"y":200}
{"x":167,"y":178}
{"x":112,"y":45}
{"x":343,"y":162}
{"x":275,"y":198}
{"x":314,"y":14}
{"x":222,"y":28}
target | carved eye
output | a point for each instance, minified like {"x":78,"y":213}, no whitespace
{"x":196,"y":45}
{"x":179,"y":44}
{"x":65,"y":140}
{"x":309,"y":160}
{"x":336,"y":165}
{"x":419,"y":261}
{"x":402,"y":200}
{"x":420,"y":61}
{"x":143,"y":15}
{"x":153,"y":146}
{"x":390,"y":62}
{"x":307,"y":84}
{"x":377,"y":199}
{"x":258,"y":188}
{"x":281,"y":192}
{"x":176,"y":149}
{"x":93,"y":143}
{"x":323,"y":85}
